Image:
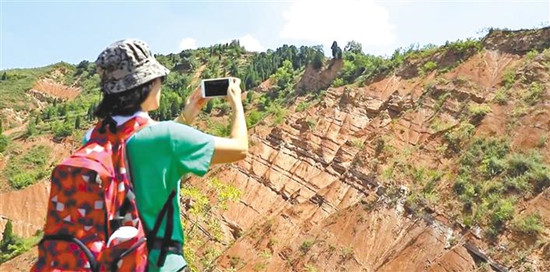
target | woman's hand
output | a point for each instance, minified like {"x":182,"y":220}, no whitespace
{"x":193,"y":107}
{"x":234,"y":92}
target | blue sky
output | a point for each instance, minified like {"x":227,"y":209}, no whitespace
{"x":39,"y":33}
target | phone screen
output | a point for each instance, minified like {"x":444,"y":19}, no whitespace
{"x":216,"y":87}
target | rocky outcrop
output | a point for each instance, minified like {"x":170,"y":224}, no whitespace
{"x":314,"y":80}
{"x":519,"y":41}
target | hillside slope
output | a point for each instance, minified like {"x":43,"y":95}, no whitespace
{"x":436,"y":159}
{"x":368,"y":178}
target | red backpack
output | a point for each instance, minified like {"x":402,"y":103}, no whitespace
{"x":91,"y":197}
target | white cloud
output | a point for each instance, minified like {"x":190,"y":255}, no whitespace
{"x":188,"y":43}
{"x":250,"y":43}
{"x":325,"y":21}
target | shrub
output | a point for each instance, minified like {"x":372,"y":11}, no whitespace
{"x":62,"y":129}
{"x":306,"y":246}
{"x":429,"y":66}
{"x":338,"y":82}
{"x":479,"y":110}
{"x":503,"y":211}
{"x":529,"y":225}
{"x":26,"y":169}
{"x":4,"y":141}
{"x":458,"y":136}
{"x":534,"y":93}
{"x":304,"y":105}
{"x":531,"y":55}
{"x":254,"y":117}
{"x":508,"y":79}
{"x":502,"y":96}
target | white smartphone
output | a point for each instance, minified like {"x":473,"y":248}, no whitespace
{"x":216,"y":87}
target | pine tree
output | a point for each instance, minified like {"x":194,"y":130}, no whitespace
{"x":209,"y":106}
{"x":77,"y":122}
{"x":4,"y":76}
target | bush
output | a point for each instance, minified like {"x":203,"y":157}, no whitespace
{"x":479,"y":110}
{"x":306,"y":246}
{"x":529,"y":225}
{"x":254,"y":117}
{"x":302,"y":106}
{"x":428,"y":67}
{"x":534,"y":93}
{"x":502,"y":96}
{"x":503,"y":210}
{"x":24,"y":170}
{"x":62,"y":130}
{"x":4,"y":141}
{"x":508,"y":79}
{"x":458,"y":136}
{"x":338,"y":82}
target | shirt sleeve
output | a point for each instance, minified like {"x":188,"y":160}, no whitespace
{"x":192,"y":149}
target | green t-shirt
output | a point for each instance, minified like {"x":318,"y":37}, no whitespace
{"x":159,"y":155}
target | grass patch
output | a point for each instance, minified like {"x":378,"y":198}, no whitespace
{"x":529,"y":225}
{"x":18,"y":82}
{"x":502,"y":96}
{"x":26,"y":169}
{"x":491,"y":179}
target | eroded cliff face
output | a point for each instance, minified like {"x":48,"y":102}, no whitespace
{"x":25,"y":208}
{"x":328,"y":189}
{"x":318,"y":193}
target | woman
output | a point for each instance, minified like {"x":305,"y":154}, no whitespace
{"x":162,"y":152}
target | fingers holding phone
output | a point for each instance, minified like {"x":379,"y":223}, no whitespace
{"x":234,"y":91}
{"x":228,"y":87}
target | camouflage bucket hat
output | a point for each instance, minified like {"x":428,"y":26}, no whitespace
{"x":126,"y":64}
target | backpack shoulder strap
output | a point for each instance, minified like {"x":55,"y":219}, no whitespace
{"x":168,"y":212}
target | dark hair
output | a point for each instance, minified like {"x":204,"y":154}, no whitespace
{"x":125,"y":103}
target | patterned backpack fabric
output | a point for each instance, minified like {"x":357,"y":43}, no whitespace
{"x":90,"y":198}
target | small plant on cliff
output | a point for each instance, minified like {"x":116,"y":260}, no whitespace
{"x":534,"y":93}
{"x":531,"y":55}
{"x":502,"y":96}
{"x":508,"y":78}
{"x":457,"y":137}
{"x":478,"y":111}
{"x":428,"y":67}
{"x":306,"y":246}
{"x":338,"y":82}
{"x":302,"y":106}
{"x":529,"y":225}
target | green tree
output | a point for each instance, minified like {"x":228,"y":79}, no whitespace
{"x":8,"y":238}
{"x":317,"y":61}
{"x":209,"y":106}
{"x":77,"y":122}
{"x":1,"y":127}
{"x":354,"y":47}
{"x":4,"y":76}
{"x":249,"y":97}
{"x":31,"y":127}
